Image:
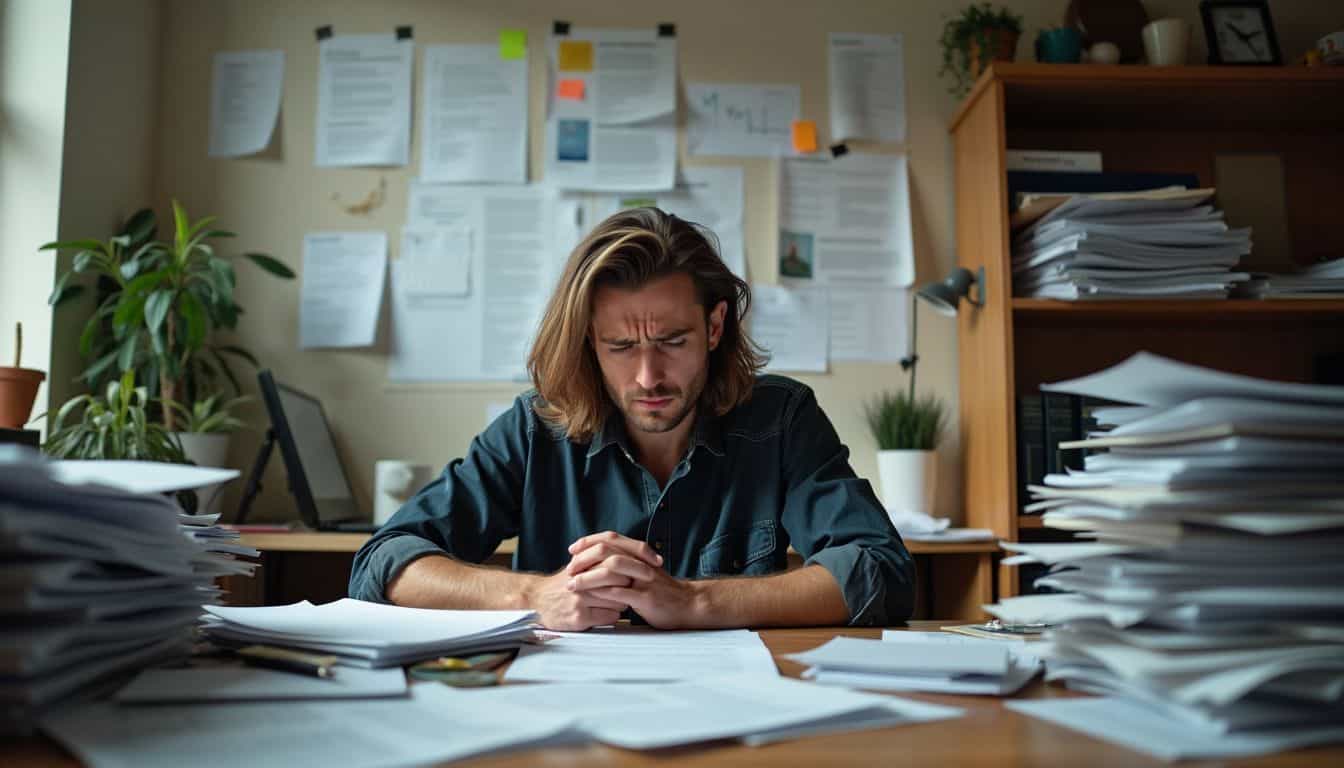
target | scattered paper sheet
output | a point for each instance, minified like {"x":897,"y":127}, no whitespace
{"x":138,"y":476}
{"x":436,"y":261}
{"x":364,"y":101}
{"x":867,"y":78}
{"x":845,"y":220}
{"x":742,"y":119}
{"x":642,"y":656}
{"x":342,"y":288}
{"x":244,"y":101}
{"x":475,"y":115}
{"x":869,"y":323}
{"x":792,"y":324}
{"x":619,"y":131}
{"x":710,"y":196}
{"x":180,"y":685}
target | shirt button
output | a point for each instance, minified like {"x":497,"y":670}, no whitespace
{"x":658,"y":545}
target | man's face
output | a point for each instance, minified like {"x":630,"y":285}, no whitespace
{"x":653,"y":346}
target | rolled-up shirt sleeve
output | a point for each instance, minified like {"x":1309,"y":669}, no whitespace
{"x":464,"y":513}
{"x":836,"y":521}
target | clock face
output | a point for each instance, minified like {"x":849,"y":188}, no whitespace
{"x":1241,"y":35}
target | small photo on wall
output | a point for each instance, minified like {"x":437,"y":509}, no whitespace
{"x":572,"y":141}
{"x":795,"y":254}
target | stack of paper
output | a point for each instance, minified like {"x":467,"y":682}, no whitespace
{"x":921,"y":661}
{"x":625,"y":656}
{"x":97,"y":580}
{"x":371,"y":634}
{"x":1208,"y":587}
{"x":1320,"y":281}
{"x":1155,"y":244}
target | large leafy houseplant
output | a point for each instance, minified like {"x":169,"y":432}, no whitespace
{"x":159,"y":307}
{"x":979,"y":35}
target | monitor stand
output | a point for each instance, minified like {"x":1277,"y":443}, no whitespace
{"x":254,"y":477}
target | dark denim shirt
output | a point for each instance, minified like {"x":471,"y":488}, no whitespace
{"x":770,"y":473}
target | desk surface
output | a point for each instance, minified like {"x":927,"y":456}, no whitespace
{"x":988,"y":735}
{"x":307,"y":541}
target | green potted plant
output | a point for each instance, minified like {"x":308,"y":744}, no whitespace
{"x":116,"y":425}
{"x":907,"y":431}
{"x":204,"y":430}
{"x":18,"y":387}
{"x":979,"y":35}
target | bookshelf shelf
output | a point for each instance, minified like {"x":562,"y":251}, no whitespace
{"x":1172,"y":120}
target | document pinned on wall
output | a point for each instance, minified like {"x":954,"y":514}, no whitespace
{"x":744,"y":119}
{"x":364,"y":101}
{"x":793,"y":324}
{"x":711,"y":196}
{"x":867,"y":82}
{"x":474,"y":107}
{"x":615,"y":127}
{"x":868,"y":323}
{"x":342,"y":288}
{"x":437,"y":261}
{"x":845,"y":220}
{"x":245,"y":97}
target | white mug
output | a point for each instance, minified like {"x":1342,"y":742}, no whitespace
{"x":394,"y":482}
{"x":1166,"y":41}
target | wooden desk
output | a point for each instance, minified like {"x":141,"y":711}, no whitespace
{"x":956,"y":578}
{"x":988,"y":735}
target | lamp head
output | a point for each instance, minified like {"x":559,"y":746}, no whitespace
{"x":945,"y":296}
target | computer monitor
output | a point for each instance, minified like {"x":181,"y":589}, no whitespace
{"x":317,"y":477}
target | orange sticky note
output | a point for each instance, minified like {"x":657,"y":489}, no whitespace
{"x":571,"y":89}
{"x":575,"y":56}
{"x":804,"y":136}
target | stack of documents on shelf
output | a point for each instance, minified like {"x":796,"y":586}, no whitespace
{"x":919,"y":526}
{"x":1167,"y":243}
{"x":922,"y":661}
{"x":1206,"y":587}
{"x":626,"y":656}
{"x":1319,"y":281}
{"x":367,"y":634}
{"x":103,"y":573}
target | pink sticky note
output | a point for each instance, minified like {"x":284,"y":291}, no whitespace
{"x":571,"y":89}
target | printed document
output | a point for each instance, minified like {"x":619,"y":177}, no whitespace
{"x":867,"y":77}
{"x":436,"y":262}
{"x":244,"y":101}
{"x":342,"y":288}
{"x":792,"y":324}
{"x":364,"y":101}
{"x":742,"y":119}
{"x":625,"y":656}
{"x":474,"y":108}
{"x":868,"y":323}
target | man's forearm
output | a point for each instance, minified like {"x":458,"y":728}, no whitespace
{"x":436,"y":581}
{"x":804,"y":597}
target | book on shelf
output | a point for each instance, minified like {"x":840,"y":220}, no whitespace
{"x":1059,"y":161}
{"x":1057,"y":182}
{"x":1044,"y":422}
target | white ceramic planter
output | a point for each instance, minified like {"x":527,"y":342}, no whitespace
{"x":207,"y":449}
{"x":909,"y":480}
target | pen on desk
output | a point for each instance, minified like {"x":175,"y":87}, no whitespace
{"x":289,"y":660}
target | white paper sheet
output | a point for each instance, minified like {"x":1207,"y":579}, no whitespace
{"x":474,"y":108}
{"x":854,"y":654}
{"x":867,"y":79}
{"x":644,"y":656}
{"x":710,"y":196}
{"x":342,"y":289}
{"x":139,"y":476}
{"x":364,"y":101}
{"x":743,"y":119}
{"x":430,"y":727}
{"x":245,"y":97}
{"x":869,"y":323}
{"x":436,"y":261}
{"x":793,"y":324}
{"x":621,"y":133}
{"x":845,"y":220}
{"x":253,"y":684}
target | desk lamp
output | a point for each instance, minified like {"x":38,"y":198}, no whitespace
{"x":945,"y":297}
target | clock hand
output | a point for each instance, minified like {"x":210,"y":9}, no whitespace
{"x":1245,"y":38}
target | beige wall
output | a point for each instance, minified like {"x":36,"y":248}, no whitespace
{"x":273,"y":199}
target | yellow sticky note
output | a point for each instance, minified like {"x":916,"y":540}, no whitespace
{"x":512,"y":44}
{"x":571,"y":90}
{"x":576,"y":56}
{"x":804,"y":136}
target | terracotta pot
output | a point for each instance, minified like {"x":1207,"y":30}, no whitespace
{"x":1005,"y":48}
{"x":18,"y":390}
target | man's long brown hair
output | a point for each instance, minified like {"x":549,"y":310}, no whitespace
{"x":628,"y":250}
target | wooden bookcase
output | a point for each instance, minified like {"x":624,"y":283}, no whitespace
{"x":1142,"y":119}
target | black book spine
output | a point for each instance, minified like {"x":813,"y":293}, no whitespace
{"x":1031,"y":454}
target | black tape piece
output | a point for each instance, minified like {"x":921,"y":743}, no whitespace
{"x":667,"y":30}
{"x":838,"y":150}
{"x":404,"y":33}
{"x":323,"y":32}
{"x":560,"y":28}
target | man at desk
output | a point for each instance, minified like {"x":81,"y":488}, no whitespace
{"x":650,"y":466}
